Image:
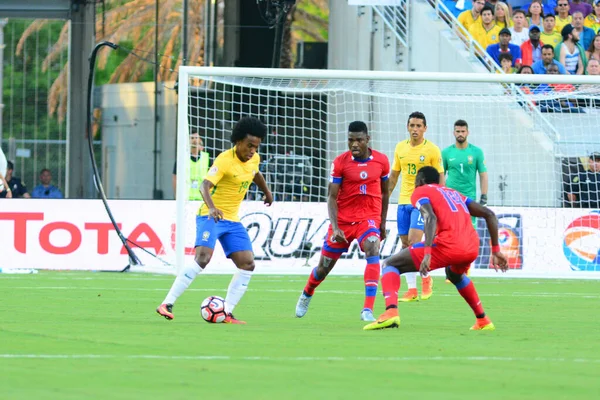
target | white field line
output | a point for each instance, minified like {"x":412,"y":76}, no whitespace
{"x":297,"y":359}
{"x":346,"y":292}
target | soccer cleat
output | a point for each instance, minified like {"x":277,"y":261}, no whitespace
{"x":302,"y":305}
{"x":427,"y":288}
{"x":166,"y":310}
{"x":483,"y":324}
{"x":367,"y":315}
{"x":389,"y":319}
{"x":410,"y":295}
{"x":230,"y":319}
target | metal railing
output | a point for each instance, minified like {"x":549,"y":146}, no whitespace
{"x":396,"y":19}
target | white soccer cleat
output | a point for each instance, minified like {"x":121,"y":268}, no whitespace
{"x":302,"y":305}
{"x":367,"y":315}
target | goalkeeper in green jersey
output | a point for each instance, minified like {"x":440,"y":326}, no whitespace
{"x":462,"y":161}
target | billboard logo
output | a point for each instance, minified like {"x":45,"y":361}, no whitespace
{"x":581,"y":243}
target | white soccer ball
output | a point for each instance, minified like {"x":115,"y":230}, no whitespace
{"x":213,"y":309}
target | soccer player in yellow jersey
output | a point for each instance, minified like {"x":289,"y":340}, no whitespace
{"x":223,"y":190}
{"x":410,"y":156}
{"x":469,"y":17}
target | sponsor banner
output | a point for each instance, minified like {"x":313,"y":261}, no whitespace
{"x":287,"y":237}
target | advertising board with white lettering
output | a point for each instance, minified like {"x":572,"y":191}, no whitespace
{"x":286,"y":237}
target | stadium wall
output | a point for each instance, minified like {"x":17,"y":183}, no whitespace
{"x":287,"y":237}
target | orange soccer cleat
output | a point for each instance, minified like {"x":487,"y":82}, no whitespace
{"x":483,"y":324}
{"x":427,"y":288}
{"x":166,"y":310}
{"x":410,"y":295}
{"x":389,"y":319}
{"x":230,"y":319}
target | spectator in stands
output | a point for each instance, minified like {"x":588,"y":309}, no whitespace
{"x":554,"y":104}
{"x":525,"y":69}
{"x":539,"y":67}
{"x":506,"y":63}
{"x":18,"y":189}
{"x":563,"y":18}
{"x":531,"y":50}
{"x":535,"y":13}
{"x":592,"y":21}
{"x":46,"y":190}
{"x":485,"y":31}
{"x":593,"y":67}
{"x":468,"y":17}
{"x":594,"y":50}
{"x":549,"y":35}
{"x":502,"y":15}
{"x":456,"y":7}
{"x":580,"y":6}
{"x":504,"y":46}
{"x":569,"y":52}
{"x":519,"y":33}
{"x":198,"y":168}
{"x":586,"y":35}
{"x":585,"y":185}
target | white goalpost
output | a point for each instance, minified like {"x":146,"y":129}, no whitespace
{"x":537,"y":133}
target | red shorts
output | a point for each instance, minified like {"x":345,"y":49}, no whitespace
{"x":442,"y":256}
{"x":357,"y":230}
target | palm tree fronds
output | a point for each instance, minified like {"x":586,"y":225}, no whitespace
{"x":31,"y":29}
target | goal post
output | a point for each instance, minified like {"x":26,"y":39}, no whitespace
{"x":535,"y":131}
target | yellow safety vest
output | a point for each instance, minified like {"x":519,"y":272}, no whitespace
{"x":197,"y":172}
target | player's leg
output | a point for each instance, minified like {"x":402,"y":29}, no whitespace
{"x":392,"y":268}
{"x":316,"y":277}
{"x":369,"y":243}
{"x":456,"y":275}
{"x":206,"y":237}
{"x":238,"y":247}
{"x":403,"y":218}
{"x":330,"y":253}
{"x":415,"y":235}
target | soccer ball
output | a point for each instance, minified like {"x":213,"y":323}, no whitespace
{"x":213,"y":309}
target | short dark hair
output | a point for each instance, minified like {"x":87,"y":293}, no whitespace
{"x":9,"y":165}
{"x":548,"y":46}
{"x":549,"y":15}
{"x":505,"y":56}
{"x":358,"y":126}
{"x":519,"y":12}
{"x":595,"y":156}
{"x":522,"y":67}
{"x":429,"y":174}
{"x":461,"y":122}
{"x":487,"y":7}
{"x":248,"y":126}
{"x":417,"y":115}
{"x":44,"y":170}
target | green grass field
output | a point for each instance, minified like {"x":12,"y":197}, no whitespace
{"x":96,"y":336}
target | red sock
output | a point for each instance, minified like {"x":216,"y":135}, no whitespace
{"x":312,"y":283}
{"x":390,"y":285}
{"x":372,"y":273}
{"x":467,"y":291}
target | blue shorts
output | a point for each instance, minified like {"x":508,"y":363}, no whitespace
{"x":408,"y":217}
{"x":232,"y":235}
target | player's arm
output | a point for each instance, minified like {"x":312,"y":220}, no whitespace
{"x":385,"y":201}
{"x":6,"y":187}
{"x":205,"y":190}
{"x":477,"y":210}
{"x":332,"y":210}
{"x":430,"y":222}
{"x":483,"y":183}
{"x":260,"y":181}
{"x":392,"y":181}
{"x":437,"y":163}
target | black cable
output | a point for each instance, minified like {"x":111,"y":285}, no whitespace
{"x":133,"y":259}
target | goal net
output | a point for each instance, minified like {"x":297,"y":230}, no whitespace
{"x":538,"y":133}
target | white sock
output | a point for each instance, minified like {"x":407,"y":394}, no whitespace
{"x":237,"y":288}
{"x":182,"y":282}
{"x":411,"y":279}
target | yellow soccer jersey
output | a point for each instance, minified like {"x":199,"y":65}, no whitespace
{"x":466,"y":19}
{"x":231,"y":178}
{"x":552,"y":39}
{"x":408,"y":160}
{"x":561,"y":23}
{"x":592,"y":22}
{"x":485,"y":37}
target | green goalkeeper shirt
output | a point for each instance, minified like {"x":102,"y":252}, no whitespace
{"x":462,"y":166}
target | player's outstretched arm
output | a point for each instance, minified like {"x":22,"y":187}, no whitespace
{"x":430,"y":221}
{"x":483,"y":183}
{"x":332,"y":210}
{"x":477,"y":210}
{"x":392,"y":181}
{"x":213,"y":211}
{"x":259,"y":180}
